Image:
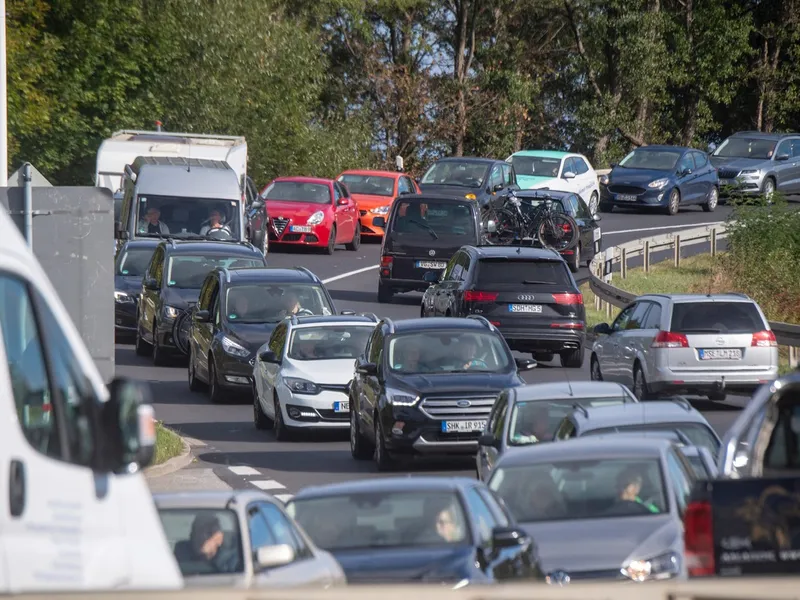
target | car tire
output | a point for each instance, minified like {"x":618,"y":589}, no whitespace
{"x":360,"y":447}
{"x":141,"y":347}
{"x":195,"y":385}
{"x":712,"y":201}
{"x":572,"y":359}
{"x":260,"y":420}
{"x":717,"y":396}
{"x":384,"y":293}
{"x":331,"y":248}
{"x":594,"y":369}
{"x":383,"y":461}
{"x":282,"y":432}
{"x":769,"y":188}
{"x":673,"y":202}
{"x":356,"y":241}
{"x":594,"y":202}
{"x":215,"y":393}
{"x":160,"y":358}
{"x":575,"y":261}
{"x":640,"y":389}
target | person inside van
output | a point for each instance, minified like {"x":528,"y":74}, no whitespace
{"x":152,"y":222}
{"x":216,"y":222}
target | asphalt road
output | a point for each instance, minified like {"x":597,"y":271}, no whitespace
{"x":228,"y":433}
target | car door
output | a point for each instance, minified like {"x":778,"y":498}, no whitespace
{"x":483,"y":521}
{"x":783,"y":166}
{"x":585,"y":178}
{"x":707,"y":176}
{"x":794,"y":177}
{"x":346,"y":213}
{"x":371,"y":388}
{"x":569,"y":177}
{"x":496,"y":185}
{"x":270,"y":371}
{"x":452,"y":298}
{"x":631,"y":342}
{"x":438,"y":293}
{"x":488,"y":455}
{"x":509,"y":177}
{"x":151,"y":298}
{"x":202,"y":332}
{"x":688,"y":180}
{"x":608,"y":348}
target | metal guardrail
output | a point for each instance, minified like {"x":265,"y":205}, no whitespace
{"x":603,"y":264}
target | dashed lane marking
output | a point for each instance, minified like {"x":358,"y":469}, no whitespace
{"x":267,"y":484}
{"x":349,"y":274}
{"x":244,"y":470}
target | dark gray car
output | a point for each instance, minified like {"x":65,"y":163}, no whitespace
{"x":485,"y":180}
{"x":601,"y":508}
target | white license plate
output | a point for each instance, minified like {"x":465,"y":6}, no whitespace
{"x":430,"y":264}
{"x":525,"y":308}
{"x":341,"y":407}
{"x":597,"y":234}
{"x":626,"y":197}
{"x":462,"y":426}
{"x":720,"y":354}
{"x":301,"y":228}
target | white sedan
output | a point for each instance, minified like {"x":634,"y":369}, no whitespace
{"x":301,"y":377}
{"x":560,"y":171}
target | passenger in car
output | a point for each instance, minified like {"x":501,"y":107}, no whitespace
{"x":208,"y":543}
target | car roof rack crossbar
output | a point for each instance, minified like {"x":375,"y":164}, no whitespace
{"x":582,"y":408}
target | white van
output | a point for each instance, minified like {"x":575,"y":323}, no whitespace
{"x":76,"y":511}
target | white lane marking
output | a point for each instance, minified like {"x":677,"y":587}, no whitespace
{"x":268,"y":484}
{"x":284,"y":497}
{"x":244,"y":470}
{"x":689,"y":226}
{"x":349,"y":274}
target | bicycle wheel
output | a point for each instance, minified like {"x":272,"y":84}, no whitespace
{"x":558,"y":231}
{"x":506,"y":228}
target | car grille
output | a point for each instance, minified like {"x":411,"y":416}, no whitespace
{"x":335,"y":387}
{"x":727,"y":173}
{"x":279,"y":224}
{"x":625,"y":189}
{"x":328,"y":414}
{"x":447,"y":407}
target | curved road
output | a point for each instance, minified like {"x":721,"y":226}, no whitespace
{"x":242,"y":456}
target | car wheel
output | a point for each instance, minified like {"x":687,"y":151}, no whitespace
{"x":594,"y":370}
{"x":383,"y":461}
{"x":769,"y":188}
{"x":356,"y":242}
{"x":260,"y":419}
{"x":214,"y":390}
{"x":712,"y":201}
{"x":141,"y":347}
{"x":639,"y":383}
{"x":331,"y":242}
{"x":282,"y":433}
{"x":160,"y":358}
{"x":594,"y":201}
{"x":673,"y":203}
{"x":575,"y":261}
{"x":359,"y":445}
{"x":384,"y":293}
{"x":572,"y":359}
{"x":195,"y":385}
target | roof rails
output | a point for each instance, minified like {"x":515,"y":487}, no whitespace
{"x":581,"y":408}
{"x":227,"y":274}
{"x":390,"y":323}
{"x":371,"y":316}
{"x":682,"y":402}
{"x":683,"y":438}
{"x":483,"y":320}
{"x":310,"y":273}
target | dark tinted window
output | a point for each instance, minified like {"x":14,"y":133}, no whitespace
{"x":742,"y":147}
{"x":273,"y":302}
{"x":580,"y":166}
{"x":430,"y":218}
{"x":698,"y":434}
{"x":456,"y":172}
{"x":716,"y":317}
{"x":187,"y":529}
{"x":292,"y":191}
{"x":638,"y":316}
{"x":653,"y":319}
{"x":493,"y":271}
{"x":133,"y":263}
{"x":536,"y":166}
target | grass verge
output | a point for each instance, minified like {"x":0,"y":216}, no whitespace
{"x":168,"y":444}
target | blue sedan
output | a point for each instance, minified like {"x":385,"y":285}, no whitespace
{"x":664,"y":177}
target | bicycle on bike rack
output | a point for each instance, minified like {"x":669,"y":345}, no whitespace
{"x":512,"y":225}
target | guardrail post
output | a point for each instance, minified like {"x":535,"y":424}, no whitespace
{"x":677,"y":251}
{"x":623,"y":263}
{"x":646,"y":256}
{"x":794,"y":357}
{"x":714,"y":242}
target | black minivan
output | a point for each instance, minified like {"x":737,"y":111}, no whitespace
{"x":422,"y":234}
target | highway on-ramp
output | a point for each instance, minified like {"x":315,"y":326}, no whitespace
{"x":243,"y":456}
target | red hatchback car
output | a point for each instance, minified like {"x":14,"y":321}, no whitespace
{"x":310,"y":211}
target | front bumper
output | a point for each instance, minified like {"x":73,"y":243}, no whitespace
{"x":166,"y":339}
{"x":543,"y":339}
{"x":282,"y":234}
{"x":421,"y":435}
{"x":234,"y":374}
{"x":641,"y":197}
{"x":317,"y":411}
{"x":125,"y":317}
{"x":749,"y":186}
{"x":367,"y":228}
{"x":666,"y":380}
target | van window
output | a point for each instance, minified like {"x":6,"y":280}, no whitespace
{"x":421,"y":219}
{"x":494,"y":271}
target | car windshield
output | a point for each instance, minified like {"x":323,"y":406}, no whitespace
{"x":431,"y":219}
{"x":369,"y":184}
{"x":382,"y":519}
{"x":456,"y":172}
{"x":273,"y":302}
{"x":189,"y":218}
{"x":448,"y":351}
{"x":654,"y":160}
{"x":191,"y":532}
{"x":329,"y":342}
{"x":742,"y":147}
{"x":716,"y":318}
{"x":188,"y":271}
{"x":697,"y":433}
{"x":518,"y":271}
{"x":582,"y":489}
{"x":537,"y":421}
{"x":296,"y":191}
{"x":134,"y":261}
{"x":536,"y":166}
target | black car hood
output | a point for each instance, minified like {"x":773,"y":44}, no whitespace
{"x":640,"y":177}
{"x":456,"y":191}
{"x":129,"y":285}
{"x":181,"y":298}
{"x":737,"y":163}
{"x":412,"y":563}
{"x":251,"y":335}
{"x":458,"y":382}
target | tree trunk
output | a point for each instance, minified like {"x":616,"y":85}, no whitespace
{"x":464,"y":52}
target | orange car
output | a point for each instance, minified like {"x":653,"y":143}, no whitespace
{"x":374,"y":192}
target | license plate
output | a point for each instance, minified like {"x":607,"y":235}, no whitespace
{"x":341,"y":407}
{"x":626,"y":197}
{"x":300,"y":228}
{"x":597,"y":234}
{"x":525,"y":308}
{"x":430,"y":264}
{"x":462,"y":426}
{"x":720,"y":354}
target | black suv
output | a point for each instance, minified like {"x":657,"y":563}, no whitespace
{"x":529,"y":294}
{"x":236,"y":315}
{"x":172,"y":285}
{"x":129,"y":267}
{"x":426,"y":386}
{"x":482,"y":180}
{"x":422,"y":234}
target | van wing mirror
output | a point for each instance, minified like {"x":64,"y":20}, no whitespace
{"x":128,"y":431}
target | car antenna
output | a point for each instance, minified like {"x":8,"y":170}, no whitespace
{"x":569,"y":385}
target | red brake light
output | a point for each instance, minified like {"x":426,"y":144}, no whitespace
{"x":699,"y":539}
{"x":568,"y":298}
{"x":667,"y":339}
{"x":473,"y":296}
{"x":386,"y":261}
{"x":764,"y":338}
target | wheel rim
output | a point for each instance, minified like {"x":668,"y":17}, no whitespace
{"x":712,"y":201}
{"x":353,"y":434}
{"x":593,"y":202}
{"x":357,"y":236}
{"x":673,"y":202}
{"x":638,"y":385}
{"x":769,"y":188}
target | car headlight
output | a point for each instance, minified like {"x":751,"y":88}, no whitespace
{"x":658,"y":183}
{"x":171,"y":312}
{"x":661,"y":567}
{"x":603,"y":179}
{"x":380,"y":210}
{"x":301,"y":386}
{"x":123,"y":298}
{"x":316,"y":218}
{"x":401,"y":398}
{"x":750,"y":173}
{"x":233,"y":348}
{"x":471,"y":197}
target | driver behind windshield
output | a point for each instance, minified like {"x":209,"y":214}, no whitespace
{"x":291,"y":305}
{"x":409,"y":355}
{"x":216,"y":222}
{"x":467,"y":352}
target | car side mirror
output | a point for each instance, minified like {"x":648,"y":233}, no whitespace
{"x":128,"y":428}
{"x":417,"y":180}
{"x":268,"y":356}
{"x":711,"y":147}
{"x":499,"y":187}
{"x":202,"y":316}
{"x":379,"y":221}
{"x":602,"y":329}
{"x":430,"y":277}
{"x":782,"y":157}
{"x":367,"y":369}
{"x":151,"y":284}
{"x":597,"y":218}
{"x":526,"y":364}
{"x":568,"y":175}
{"x":487,"y":439}
{"x":613,"y":165}
{"x":685,"y":172}
{"x":279,"y":555}
{"x":342,"y":202}
{"x":508,"y":537}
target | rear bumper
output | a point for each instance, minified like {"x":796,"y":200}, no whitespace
{"x":405,"y":285}
{"x":543,"y":340}
{"x":665,"y":380}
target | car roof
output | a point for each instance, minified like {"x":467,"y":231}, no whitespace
{"x":666,"y":147}
{"x":142,"y":243}
{"x":172,"y":176}
{"x":317,"y":320}
{"x":593,"y":447}
{"x":564,"y":390}
{"x":208,"y":499}
{"x":302,"y":179}
{"x":544,"y":153}
{"x":210,"y":247}
{"x":437,"y":197}
{"x":515,"y":252}
{"x":278,"y":274}
{"x":555,"y":194}
{"x":439,"y":323}
{"x":640,"y":413}
{"x":682,"y":298}
{"x":473,"y":159}
{"x":764,"y":135}
{"x":388,"y":484}
{"x":392,"y":174}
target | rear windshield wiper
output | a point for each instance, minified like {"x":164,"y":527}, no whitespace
{"x":534,"y":282}
{"x":425,"y":226}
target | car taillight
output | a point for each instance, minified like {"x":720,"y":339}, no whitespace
{"x":764,"y":338}
{"x":568,"y":298}
{"x":386,"y":261}
{"x":473,"y":296}
{"x":667,"y":339}
{"x":698,"y":539}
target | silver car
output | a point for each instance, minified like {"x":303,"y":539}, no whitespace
{"x":242,"y":539}
{"x":753,"y":163}
{"x":706,"y":345}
